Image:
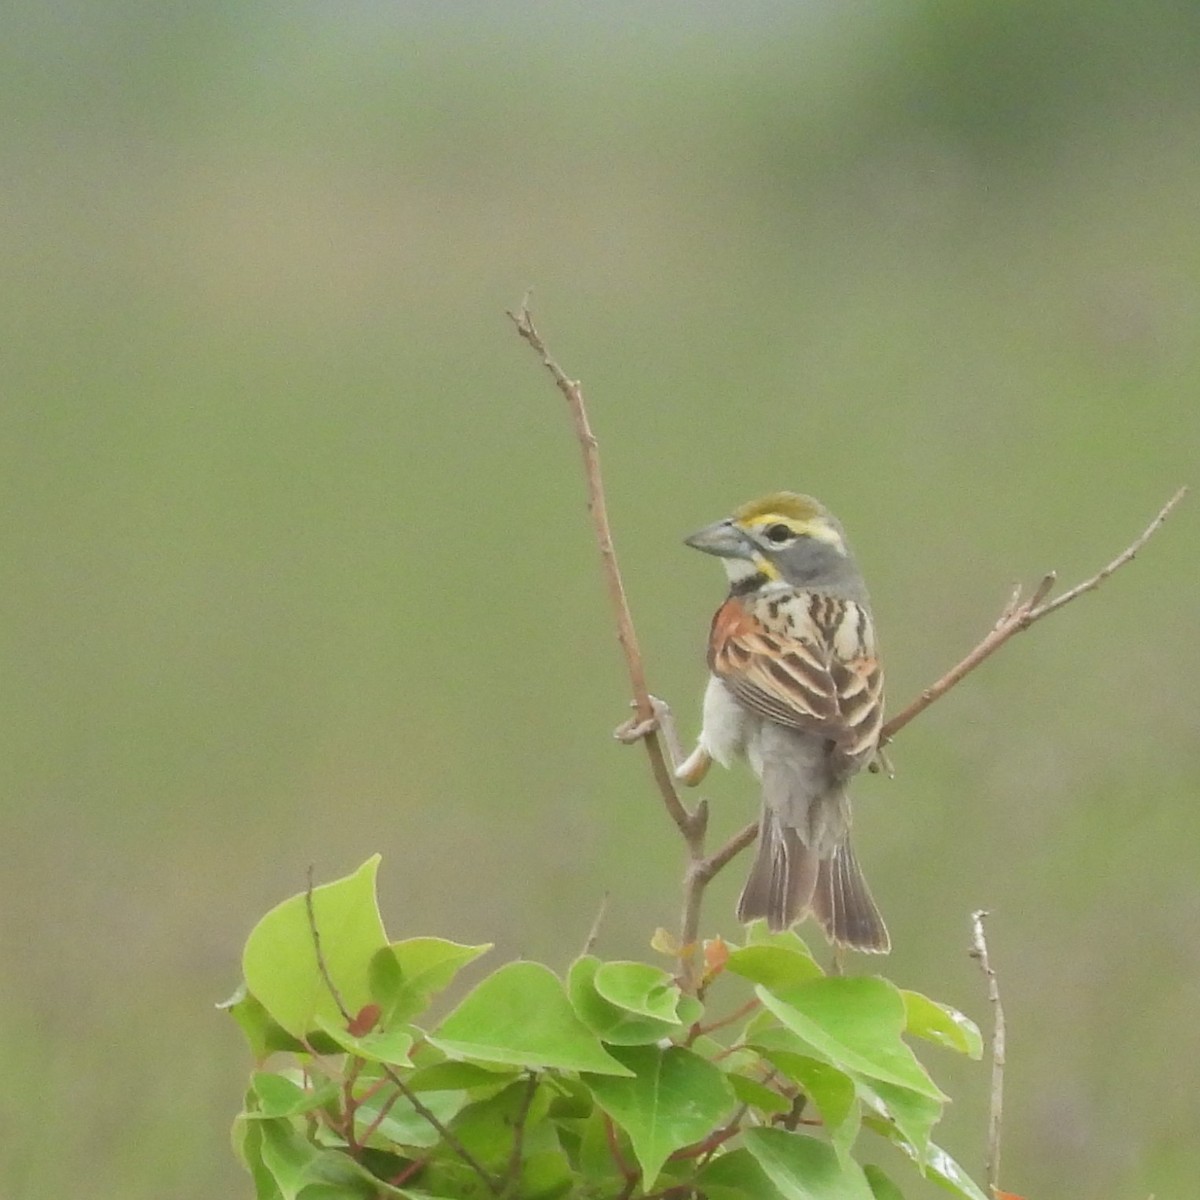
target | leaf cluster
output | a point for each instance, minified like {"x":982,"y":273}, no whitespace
{"x":608,"y":1083}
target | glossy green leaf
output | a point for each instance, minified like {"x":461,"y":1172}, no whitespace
{"x":638,"y":988}
{"x":750,"y":1091}
{"x":829,"y":1088}
{"x":856,"y":1024}
{"x":389,"y":1046}
{"x":915,"y":1115}
{"x":942,"y":1169}
{"x":247,"y":1145}
{"x":759,"y":935}
{"x":882,"y":1188}
{"x":775,"y":967}
{"x":520,"y":1016}
{"x":287,"y":1156}
{"x":941,"y":1024}
{"x":453,"y":1076}
{"x":598,"y":1169}
{"x":674,"y":1099}
{"x":938,"y":1165}
{"x":406,"y":975}
{"x":735,"y":1176}
{"x":265,"y":1035}
{"x":280,"y":961}
{"x":804,"y":1169}
{"x":614,"y":1025}
{"x":401,"y":1124}
{"x":486,"y":1127}
{"x":279,"y":1096}
{"x":546,"y":1175}
{"x":487,"y":1130}
{"x":570,"y":1097}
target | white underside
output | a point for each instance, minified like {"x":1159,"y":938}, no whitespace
{"x":729,"y":731}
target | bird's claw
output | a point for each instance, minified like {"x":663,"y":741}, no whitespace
{"x":634,"y":730}
{"x":881,"y":763}
{"x":637,"y":728}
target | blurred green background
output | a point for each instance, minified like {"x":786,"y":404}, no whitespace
{"x":296,"y":565}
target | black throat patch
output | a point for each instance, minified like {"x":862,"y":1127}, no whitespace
{"x":751,"y":583}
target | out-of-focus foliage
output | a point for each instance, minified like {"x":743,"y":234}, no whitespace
{"x":295,"y":564}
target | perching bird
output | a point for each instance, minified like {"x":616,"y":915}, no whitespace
{"x":796,"y":688}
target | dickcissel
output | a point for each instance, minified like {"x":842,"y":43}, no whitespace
{"x":797,"y":689}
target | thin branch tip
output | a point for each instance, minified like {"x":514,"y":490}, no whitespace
{"x":1018,"y":615}
{"x":979,"y":952}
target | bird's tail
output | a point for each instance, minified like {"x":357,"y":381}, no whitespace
{"x":783,"y":877}
{"x":789,"y":879}
{"x":842,"y":902}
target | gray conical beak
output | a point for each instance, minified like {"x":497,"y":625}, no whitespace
{"x":723,"y":538}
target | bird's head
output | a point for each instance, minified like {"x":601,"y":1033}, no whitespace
{"x":783,"y":536}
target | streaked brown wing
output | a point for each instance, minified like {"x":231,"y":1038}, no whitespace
{"x":804,"y":673}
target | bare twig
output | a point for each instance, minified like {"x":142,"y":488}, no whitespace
{"x":701,"y":1030}
{"x":418,"y":1105}
{"x":626,"y":634}
{"x":594,"y":932}
{"x":649,"y":714}
{"x":979,"y":951}
{"x":1019,"y":614}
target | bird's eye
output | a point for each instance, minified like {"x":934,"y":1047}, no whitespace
{"x":779,"y":534}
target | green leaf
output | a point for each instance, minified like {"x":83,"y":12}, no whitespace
{"x":520,"y":1016}
{"x":759,"y":935}
{"x":406,"y":975}
{"x":941,"y":1168}
{"x":750,"y":1091}
{"x":614,"y":1025}
{"x":775,"y":967}
{"x":915,"y":1115}
{"x":287,"y":1156}
{"x":279,"y":1096}
{"x":804,"y":1169}
{"x":941,"y":1024}
{"x":266,"y":1036}
{"x":389,"y":1046}
{"x":674,"y":1099}
{"x":882,"y":1188}
{"x":830,"y":1089}
{"x":938,"y":1165}
{"x":402,"y":1125}
{"x":856,"y":1024}
{"x":546,"y":1175}
{"x":597,"y":1167}
{"x":452,"y":1076}
{"x":570,"y":1097}
{"x":486,"y":1128}
{"x":735,"y":1176}
{"x":638,"y":988}
{"x":280,"y":961}
{"x":247,"y":1144}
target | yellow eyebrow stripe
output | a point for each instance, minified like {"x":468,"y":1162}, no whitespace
{"x":815,"y":528}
